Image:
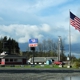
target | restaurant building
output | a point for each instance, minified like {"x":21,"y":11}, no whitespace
{"x":12,"y":59}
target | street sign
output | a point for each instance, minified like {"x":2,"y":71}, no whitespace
{"x":33,"y":42}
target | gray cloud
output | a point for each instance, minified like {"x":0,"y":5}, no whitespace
{"x":22,"y":20}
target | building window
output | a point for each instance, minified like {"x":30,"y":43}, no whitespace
{"x":15,"y":60}
{"x":7,"y":60}
{"x":11,"y":60}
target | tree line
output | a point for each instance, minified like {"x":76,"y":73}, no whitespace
{"x":47,"y":48}
{"x":9,"y":45}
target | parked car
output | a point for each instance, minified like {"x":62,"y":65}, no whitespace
{"x":58,"y":62}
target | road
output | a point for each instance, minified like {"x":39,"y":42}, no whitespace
{"x":36,"y":74}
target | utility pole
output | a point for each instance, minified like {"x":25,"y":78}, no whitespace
{"x":59,"y":48}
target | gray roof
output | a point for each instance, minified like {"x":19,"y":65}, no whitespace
{"x":11,"y":56}
{"x":2,"y":56}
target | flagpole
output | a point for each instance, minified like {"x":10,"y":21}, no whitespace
{"x":69,"y":39}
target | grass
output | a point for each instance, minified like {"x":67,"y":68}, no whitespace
{"x":42,"y":66}
{"x":32,"y":66}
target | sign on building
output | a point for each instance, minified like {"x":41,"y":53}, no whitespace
{"x":33,"y":42}
{"x":2,"y":61}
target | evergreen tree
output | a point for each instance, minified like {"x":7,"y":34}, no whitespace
{"x":9,"y":45}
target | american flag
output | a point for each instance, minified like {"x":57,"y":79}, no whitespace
{"x":75,"y":21}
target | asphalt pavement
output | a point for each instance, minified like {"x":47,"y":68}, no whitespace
{"x":36,"y":74}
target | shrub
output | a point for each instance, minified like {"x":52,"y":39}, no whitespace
{"x":76,"y":64}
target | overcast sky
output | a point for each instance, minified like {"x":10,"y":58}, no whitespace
{"x":42,"y":19}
